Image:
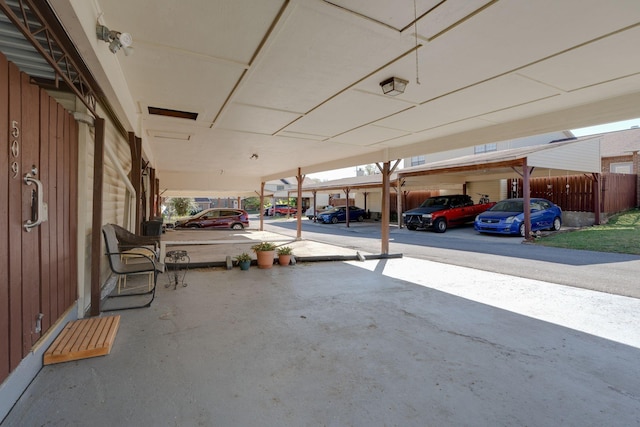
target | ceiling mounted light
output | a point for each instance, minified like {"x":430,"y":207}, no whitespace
{"x":393,"y":86}
{"x":116,"y":39}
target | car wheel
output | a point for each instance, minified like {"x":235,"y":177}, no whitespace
{"x":522,"y":230}
{"x":237,"y":226}
{"x":193,"y":226}
{"x":556,"y":224}
{"x":440,"y":225}
{"x":360,"y":218}
{"x":334,"y":220}
{"x":412,"y":227}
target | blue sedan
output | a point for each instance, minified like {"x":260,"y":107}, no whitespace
{"x":339,"y":214}
{"x":507,"y":217}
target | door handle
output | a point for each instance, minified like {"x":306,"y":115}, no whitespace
{"x":42,"y":210}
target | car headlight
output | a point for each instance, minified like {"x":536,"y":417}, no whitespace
{"x":509,"y":219}
{"x":427,"y":216}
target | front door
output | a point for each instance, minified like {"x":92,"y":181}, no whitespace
{"x":37,"y":216}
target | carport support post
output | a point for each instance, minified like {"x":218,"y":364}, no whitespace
{"x":399,"y":184}
{"x":597,"y":192}
{"x":96,"y":220}
{"x":300,"y":178}
{"x":384,"y":236}
{"x":314,"y":192}
{"x":526,"y":202}
{"x":386,"y":170}
{"x":262,"y":206}
{"x":346,"y":211}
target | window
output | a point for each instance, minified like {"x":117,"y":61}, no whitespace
{"x":417,"y":160}
{"x":485,"y":148}
{"x":626,"y":167}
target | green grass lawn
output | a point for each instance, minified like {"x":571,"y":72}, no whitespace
{"x":621,"y":235}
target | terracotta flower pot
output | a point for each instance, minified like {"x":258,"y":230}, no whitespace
{"x":265,"y":258}
{"x":284,"y":260}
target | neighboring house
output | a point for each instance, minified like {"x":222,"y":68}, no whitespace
{"x":283,"y":189}
{"x":203,"y":203}
{"x":619,"y":151}
{"x":485,"y":148}
{"x":496,"y":189}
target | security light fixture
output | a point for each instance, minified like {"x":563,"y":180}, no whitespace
{"x":116,"y":39}
{"x":393,"y":86}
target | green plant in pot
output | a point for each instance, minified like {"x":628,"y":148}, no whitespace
{"x":284,"y":255}
{"x":244,"y":261}
{"x":265,"y":252}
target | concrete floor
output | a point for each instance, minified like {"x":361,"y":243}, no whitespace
{"x":398,"y":342}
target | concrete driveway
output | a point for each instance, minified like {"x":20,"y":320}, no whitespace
{"x":605,"y":272}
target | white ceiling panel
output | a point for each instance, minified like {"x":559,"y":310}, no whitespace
{"x":603,"y":60}
{"x":493,"y":95}
{"x":249,"y":118}
{"x":344,"y":113}
{"x":175,"y":83}
{"x":397,"y":14}
{"x":314,"y":57}
{"x":368,"y":135}
{"x":447,"y":14}
{"x":228,"y":30}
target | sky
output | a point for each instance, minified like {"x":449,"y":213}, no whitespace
{"x":609,"y":127}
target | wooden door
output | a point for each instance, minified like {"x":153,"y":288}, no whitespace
{"x":38,"y":183}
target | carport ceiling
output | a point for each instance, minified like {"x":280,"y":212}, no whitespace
{"x":297,"y":82}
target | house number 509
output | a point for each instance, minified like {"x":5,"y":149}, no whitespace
{"x":15,"y":147}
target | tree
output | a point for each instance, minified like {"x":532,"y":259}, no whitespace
{"x":182,"y":205}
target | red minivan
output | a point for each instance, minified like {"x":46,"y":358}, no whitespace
{"x":235,"y":219}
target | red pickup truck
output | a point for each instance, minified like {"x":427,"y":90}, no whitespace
{"x":281,"y":210}
{"x":441,"y":212}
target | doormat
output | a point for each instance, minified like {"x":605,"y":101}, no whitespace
{"x":82,"y":339}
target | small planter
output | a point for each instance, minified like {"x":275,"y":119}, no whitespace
{"x":284,"y":260}
{"x":244,"y":261}
{"x":284,"y":255}
{"x":265,"y":252}
{"x":265,"y":258}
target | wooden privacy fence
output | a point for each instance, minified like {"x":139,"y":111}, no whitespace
{"x":575,"y":192}
{"x":571,"y":193}
{"x":619,"y":192}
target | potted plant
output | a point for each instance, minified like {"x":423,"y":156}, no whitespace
{"x":284,"y":255}
{"x":265,"y":252}
{"x":244,"y":260}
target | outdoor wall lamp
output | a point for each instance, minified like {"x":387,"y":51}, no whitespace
{"x":116,"y":39}
{"x":393,"y":86}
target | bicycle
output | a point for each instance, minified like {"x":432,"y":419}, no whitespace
{"x":484,"y":198}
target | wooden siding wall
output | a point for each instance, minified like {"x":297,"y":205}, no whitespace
{"x":575,"y":192}
{"x":39,"y":267}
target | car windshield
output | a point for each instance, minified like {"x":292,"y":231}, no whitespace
{"x":435,"y":201}
{"x":508,"y":206}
